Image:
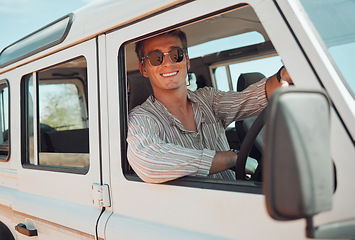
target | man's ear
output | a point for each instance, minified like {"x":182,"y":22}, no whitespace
{"x":142,"y":69}
{"x":188,"y":62}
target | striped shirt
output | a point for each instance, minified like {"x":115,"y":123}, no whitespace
{"x":161,"y":149}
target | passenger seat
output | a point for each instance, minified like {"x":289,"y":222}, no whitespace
{"x":242,"y":127}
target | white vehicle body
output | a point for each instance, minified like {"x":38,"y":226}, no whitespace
{"x":101,"y":198}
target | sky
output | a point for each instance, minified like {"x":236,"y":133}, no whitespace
{"x":18,"y":18}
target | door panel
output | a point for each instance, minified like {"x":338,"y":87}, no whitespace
{"x":55,"y":194}
{"x":189,"y":207}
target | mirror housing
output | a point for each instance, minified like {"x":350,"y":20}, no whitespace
{"x":299,"y":177}
{"x":299,"y":174}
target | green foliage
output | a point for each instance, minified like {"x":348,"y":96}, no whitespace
{"x":60,"y":107}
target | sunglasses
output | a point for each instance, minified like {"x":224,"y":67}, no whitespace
{"x":176,"y":55}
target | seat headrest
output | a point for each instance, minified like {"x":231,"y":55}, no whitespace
{"x":139,"y":90}
{"x":246,"y":79}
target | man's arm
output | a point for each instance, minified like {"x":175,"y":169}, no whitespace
{"x":223,"y":161}
{"x":227,"y":159}
{"x":156,"y":161}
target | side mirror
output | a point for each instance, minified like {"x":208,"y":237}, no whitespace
{"x":298,"y":170}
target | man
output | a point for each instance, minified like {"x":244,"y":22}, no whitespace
{"x":177,"y":132}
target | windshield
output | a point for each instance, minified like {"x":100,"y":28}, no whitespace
{"x":335,"y":21}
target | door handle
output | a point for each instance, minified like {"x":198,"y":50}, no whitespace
{"x":21,"y":228}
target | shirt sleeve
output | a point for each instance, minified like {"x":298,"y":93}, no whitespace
{"x":234,"y":106}
{"x":156,"y":161}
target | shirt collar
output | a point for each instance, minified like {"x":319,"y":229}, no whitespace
{"x":171,"y":118}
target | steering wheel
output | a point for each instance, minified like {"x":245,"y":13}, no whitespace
{"x":246,"y":146}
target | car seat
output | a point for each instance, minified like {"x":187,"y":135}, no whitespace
{"x":242,"y":127}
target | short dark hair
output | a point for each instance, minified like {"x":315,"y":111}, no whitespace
{"x":175,"y":33}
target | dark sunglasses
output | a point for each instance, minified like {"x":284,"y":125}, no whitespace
{"x":176,"y":55}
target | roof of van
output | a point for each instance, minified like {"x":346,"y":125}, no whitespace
{"x":87,"y":22}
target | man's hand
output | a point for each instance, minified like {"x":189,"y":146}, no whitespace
{"x":251,"y":165}
{"x":285,"y":78}
{"x":272,"y":83}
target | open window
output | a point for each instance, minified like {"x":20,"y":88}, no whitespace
{"x":55,"y":118}
{"x":222,"y":49}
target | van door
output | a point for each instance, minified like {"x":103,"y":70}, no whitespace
{"x":191,"y":207}
{"x":59,"y":161}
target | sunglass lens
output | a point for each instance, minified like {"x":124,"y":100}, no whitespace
{"x":176,"y":55}
{"x":156,"y":59}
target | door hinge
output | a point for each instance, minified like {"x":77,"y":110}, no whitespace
{"x":101,"y":195}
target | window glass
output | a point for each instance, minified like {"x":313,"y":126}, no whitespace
{"x":221,"y":78}
{"x":4,"y":120}
{"x":266,"y":66}
{"x":56,"y":125}
{"x":241,"y":40}
{"x":334,"y":21}
{"x":60,"y":106}
{"x":191,"y":82}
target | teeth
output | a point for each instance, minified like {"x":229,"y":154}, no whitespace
{"x":169,"y":74}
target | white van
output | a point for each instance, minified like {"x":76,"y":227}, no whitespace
{"x":67,"y":89}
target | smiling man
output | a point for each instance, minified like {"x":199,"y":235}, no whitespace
{"x":177,"y":132}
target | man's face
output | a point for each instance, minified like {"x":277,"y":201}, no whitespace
{"x":169,"y":75}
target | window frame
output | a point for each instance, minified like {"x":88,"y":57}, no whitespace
{"x":25,"y":112}
{"x":2,"y":156}
{"x":188,"y":181}
{"x":252,"y":187}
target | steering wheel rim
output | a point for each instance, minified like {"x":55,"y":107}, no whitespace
{"x":247,"y":144}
